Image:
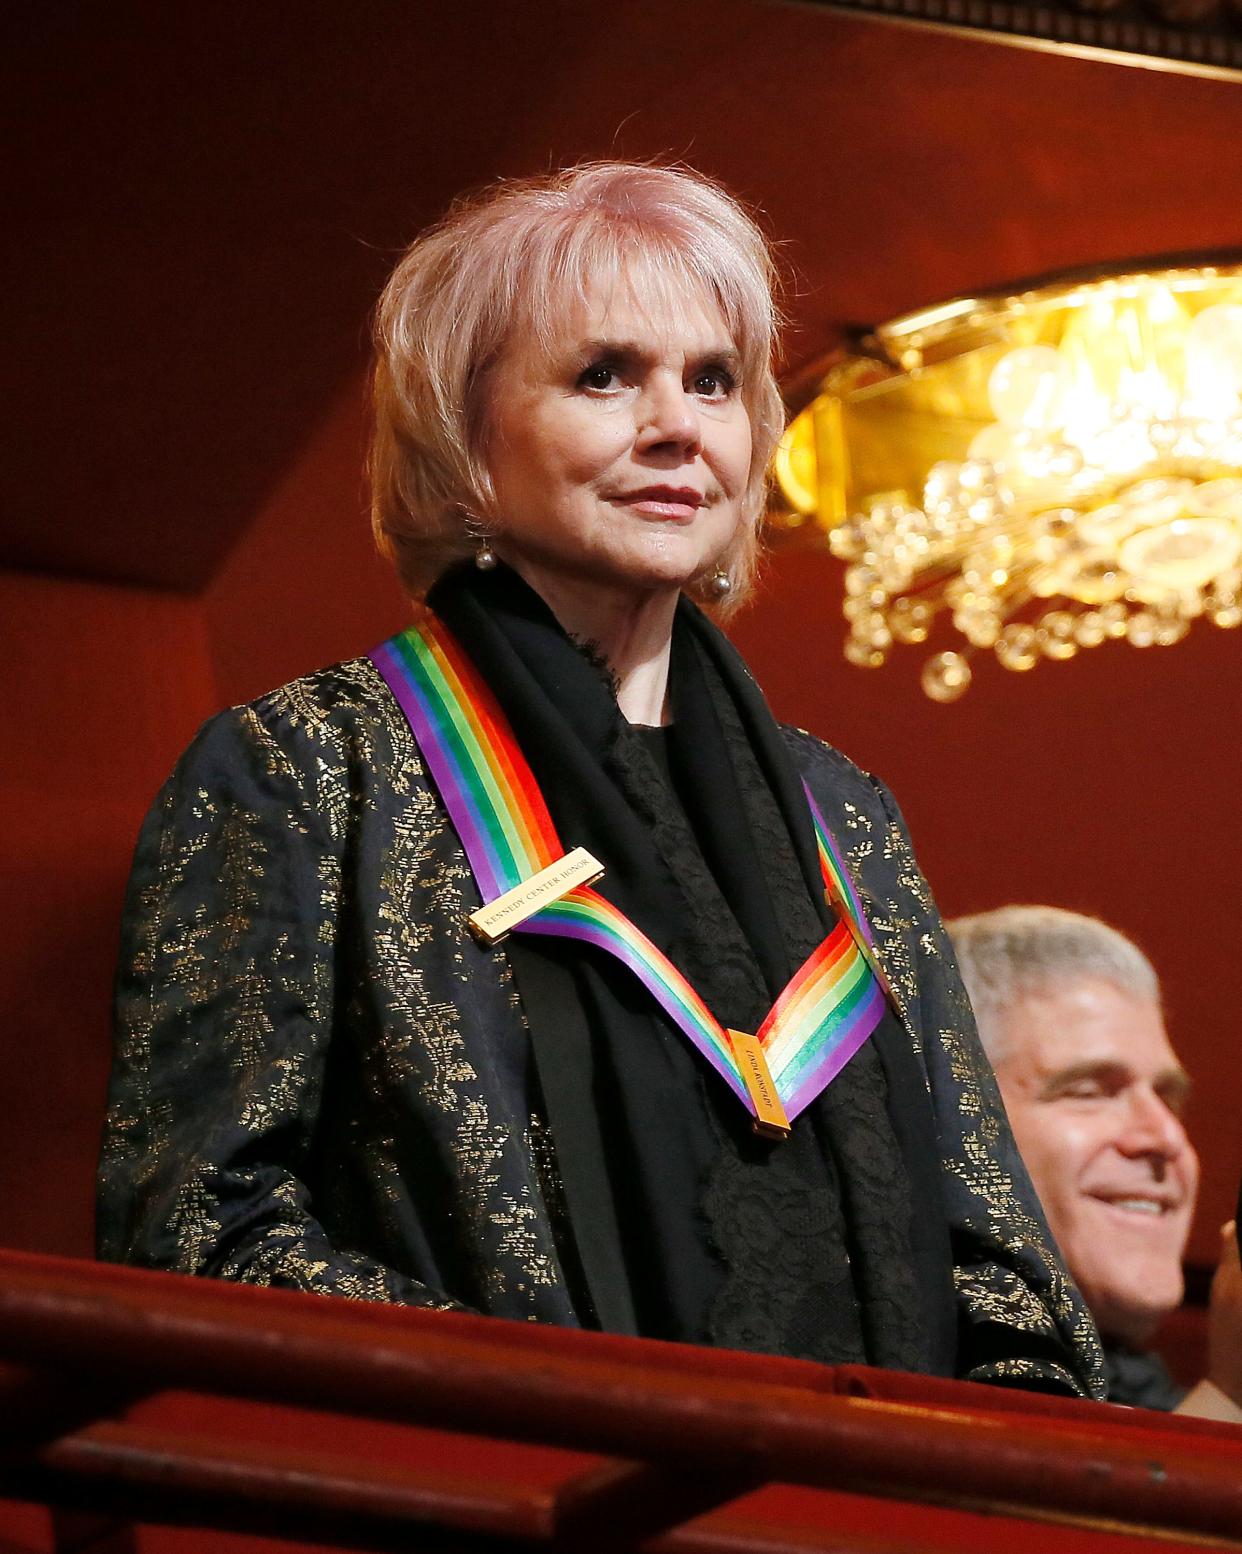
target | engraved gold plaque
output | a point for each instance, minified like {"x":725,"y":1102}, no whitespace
{"x":492,"y":922}
{"x":770,"y":1118}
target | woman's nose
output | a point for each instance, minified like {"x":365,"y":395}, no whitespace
{"x":668,"y":415}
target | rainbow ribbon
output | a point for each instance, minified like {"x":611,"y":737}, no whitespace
{"x":828,"y":1009}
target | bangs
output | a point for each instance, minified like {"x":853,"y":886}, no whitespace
{"x":664,"y":274}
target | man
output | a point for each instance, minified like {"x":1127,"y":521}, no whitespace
{"x":1069,"y":1012}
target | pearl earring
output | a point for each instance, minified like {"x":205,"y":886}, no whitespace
{"x":721,"y":584}
{"x":485,"y":557}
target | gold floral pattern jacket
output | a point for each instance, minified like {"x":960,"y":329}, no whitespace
{"x":322,"y":1084}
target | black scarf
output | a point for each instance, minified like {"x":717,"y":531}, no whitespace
{"x":684,"y":1224}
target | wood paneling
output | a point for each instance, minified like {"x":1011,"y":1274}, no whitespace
{"x":102,"y":687}
{"x":1108,"y":784}
{"x":201,"y":203}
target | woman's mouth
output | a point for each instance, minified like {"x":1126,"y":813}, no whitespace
{"x":676,"y":502}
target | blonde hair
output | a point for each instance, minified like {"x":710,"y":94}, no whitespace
{"x":509,"y":260}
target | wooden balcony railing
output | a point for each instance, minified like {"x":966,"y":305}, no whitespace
{"x":132,"y":1400}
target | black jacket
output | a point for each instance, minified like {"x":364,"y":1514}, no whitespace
{"x":322,"y":1083}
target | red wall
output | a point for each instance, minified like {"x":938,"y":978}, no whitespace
{"x":303,"y":587}
{"x":102,"y":686}
{"x":1007,"y":792}
{"x":1108,"y":784}
{"x":230,"y":260}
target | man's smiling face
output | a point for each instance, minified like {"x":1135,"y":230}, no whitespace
{"x":1094,"y":1093}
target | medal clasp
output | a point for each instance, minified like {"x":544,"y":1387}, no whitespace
{"x":770,"y":1119}
{"x":492,"y":922}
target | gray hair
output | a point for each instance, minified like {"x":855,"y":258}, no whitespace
{"x":1019,"y":951}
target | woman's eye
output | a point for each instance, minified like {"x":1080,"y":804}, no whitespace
{"x":713,"y":383}
{"x":599,"y":377}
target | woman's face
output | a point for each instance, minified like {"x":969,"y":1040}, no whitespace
{"x":620,"y":456}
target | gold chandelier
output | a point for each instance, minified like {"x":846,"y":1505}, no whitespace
{"x":1047,"y":470}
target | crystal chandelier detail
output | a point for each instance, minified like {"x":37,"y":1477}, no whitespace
{"x":1088,"y":486}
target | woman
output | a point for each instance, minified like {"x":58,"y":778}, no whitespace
{"x":325,"y":1082}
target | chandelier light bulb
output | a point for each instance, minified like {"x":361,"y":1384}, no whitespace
{"x":1214,"y":359}
{"x":1028,"y":388}
{"x":946,"y":676}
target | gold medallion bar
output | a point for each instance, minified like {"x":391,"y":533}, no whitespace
{"x":492,"y":922}
{"x":770,"y":1118}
